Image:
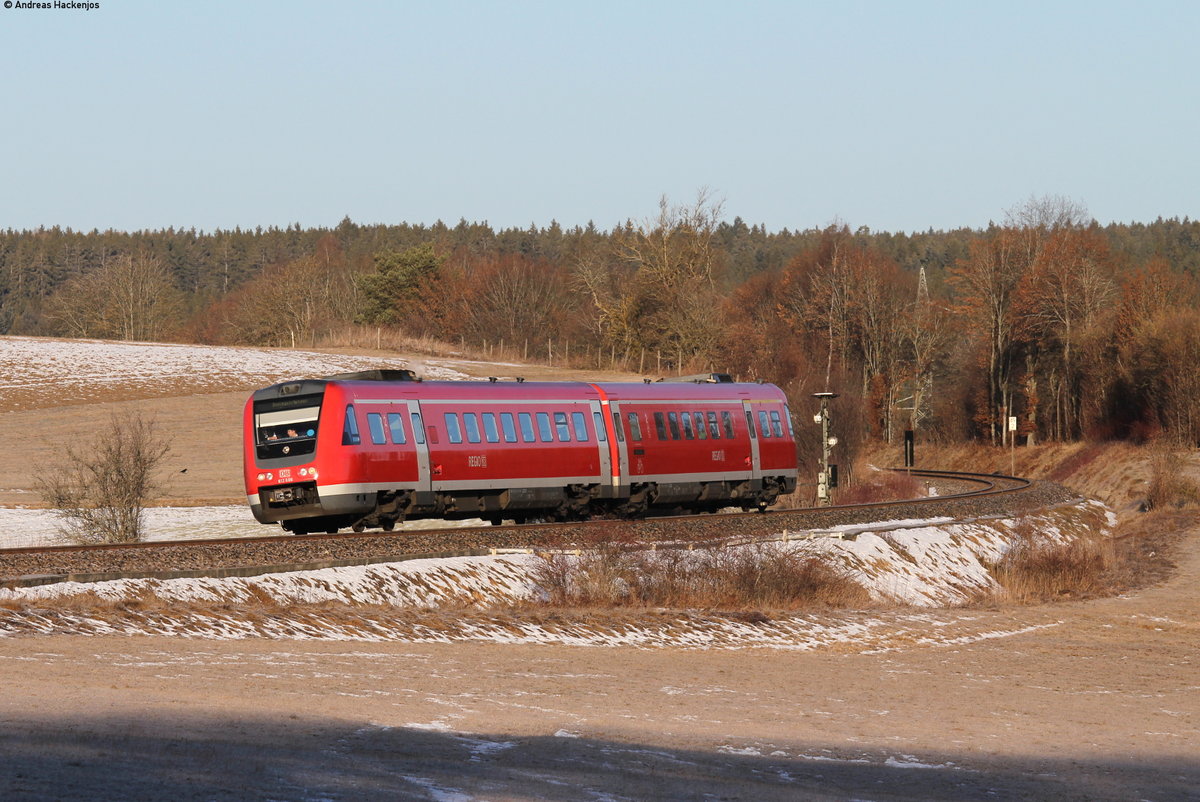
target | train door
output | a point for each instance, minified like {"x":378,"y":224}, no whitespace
{"x":755,"y":458}
{"x":605,"y":444}
{"x":416,"y":422}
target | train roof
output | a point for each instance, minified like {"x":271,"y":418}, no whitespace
{"x":365,"y":385}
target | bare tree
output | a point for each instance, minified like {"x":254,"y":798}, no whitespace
{"x":131,"y":297}
{"x":100,"y":489}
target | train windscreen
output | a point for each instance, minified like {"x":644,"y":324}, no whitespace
{"x":286,"y":427}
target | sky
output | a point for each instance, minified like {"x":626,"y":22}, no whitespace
{"x":897,"y":116}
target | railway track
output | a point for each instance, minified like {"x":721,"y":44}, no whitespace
{"x":981,"y":495}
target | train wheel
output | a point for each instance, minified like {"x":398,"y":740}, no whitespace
{"x":388,"y":526}
{"x":358,"y":526}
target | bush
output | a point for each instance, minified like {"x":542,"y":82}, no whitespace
{"x":1168,"y":487}
{"x":883,"y":486}
{"x":1035,"y":571}
{"x":775,"y":576}
{"x":100,"y":490}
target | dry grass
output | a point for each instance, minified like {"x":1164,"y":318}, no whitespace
{"x":1036,"y":571}
{"x":770,"y":576}
{"x":883,"y":486}
{"x":1168,"y":487}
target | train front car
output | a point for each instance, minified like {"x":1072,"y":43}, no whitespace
{"x":281,"y":425}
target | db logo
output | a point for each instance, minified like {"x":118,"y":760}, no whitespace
{"x":8,"y":3}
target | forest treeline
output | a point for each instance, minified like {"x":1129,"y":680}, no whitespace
{"x":1072,"y":328}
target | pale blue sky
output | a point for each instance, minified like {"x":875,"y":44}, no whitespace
{"x":896,"y":116}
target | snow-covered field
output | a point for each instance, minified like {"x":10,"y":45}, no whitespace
{"x":68,"y":369}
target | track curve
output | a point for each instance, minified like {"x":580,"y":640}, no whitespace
{"x":993,"y":494}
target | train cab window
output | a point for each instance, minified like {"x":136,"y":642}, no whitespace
{"x":452,"y":429}
{"x":286,"y":427}
{"x":616,"y":419}
{"x":727,"y":424}
{"x":599,"y":420}
{"x":579,"y":425}
{"x":686,"y":420}
{"x":396,"y":427}
{"x":418,"y":428}
{"x":526,"y":427}
{"x":635,"y":426}
{"x":471,"y":424}
{"x":764,"y":428}
{"x":714,"y":428}
{"x":660,"y":425}
{"x":375,"y":426}
{"x":509,"y":426}
{"x":350,"y":436}
{"x":490,"y":432}
{"x":560,"y":424}
{"x":787,"y":417}
{"x":776,"y":423}
{"x":750,"y":424}
{"x":700,"y":431}
{"x":673,"y":422}
{"x":544,"y":433}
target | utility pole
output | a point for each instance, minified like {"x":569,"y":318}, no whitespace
{"x":824,"y":479}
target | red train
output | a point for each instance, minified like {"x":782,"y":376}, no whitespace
{"x":372,"y":449}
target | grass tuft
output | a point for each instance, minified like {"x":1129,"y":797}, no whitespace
{"x":745,"y":578}
{"x":1169,"y":488}
{"x":1036,"y":570}
{"x":883,"y":486}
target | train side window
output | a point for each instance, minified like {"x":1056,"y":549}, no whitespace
{"x":635,"y":426}
{"x":579,"y":426}
{"x":560,"y":424}
{"x":764,"y":428}
{"x":686,"y":419}
{"x":673,"y":422}
{"x":544,"y":433}
{"x":471,"y":424}
{"x":599,"y":420}
{"x":526,"y":427}
{"x":776,"y":423}
{"x":375,"y":426}
{"x":660,"y":426}
{"x":452,"y":429}
{"x":490,"y":432}
{"x":714,"y":428}
{"x":418,"y":428}
{"x":509,"y":427}
{"x":396,"y":425}
{"x":787,"y":416}
{"x":727,"y":424}
{"x":616,"y":419}
{"x":350,"y":436}
{"x":700,"y":430}
{"x":750,"y":425}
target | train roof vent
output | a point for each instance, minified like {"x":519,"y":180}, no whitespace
{"x":707,"y":378}
{"x":380,"y":375}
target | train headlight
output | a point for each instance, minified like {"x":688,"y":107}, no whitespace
{"x":270,"y":476}
{"x":262,"y":476}
{"x":313,"y":473}
{"x":304,"y":471}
